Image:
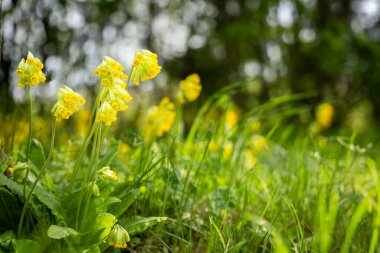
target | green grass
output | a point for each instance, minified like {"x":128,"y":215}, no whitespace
{"x":304,"y":193}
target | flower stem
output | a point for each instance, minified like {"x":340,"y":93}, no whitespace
{"x":89,"y":134}
{"x":42,"y":171}
{"x":29,"y":137}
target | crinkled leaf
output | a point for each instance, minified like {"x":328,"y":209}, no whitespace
{"x":137,"y":224}
{"x":57,"y":232}
{"x":29,"y":246}
{"x":51,"y":201}
{"x":18,"y":190}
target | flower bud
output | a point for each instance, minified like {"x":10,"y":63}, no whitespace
{"x":119,"y":237}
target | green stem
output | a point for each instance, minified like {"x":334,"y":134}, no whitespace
{"x":42,"y":171}
{"x":89,"y":133}
{"x":85,"y":181}
{"x":92,"y":175}
{"x":129,"y":77}
{"x":29,"y":137}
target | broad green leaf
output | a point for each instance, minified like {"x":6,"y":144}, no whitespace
{"x":51,"y":201}
{"x":37,"y":154}
{"x":105,"y":222}
{"x":6,"y":239}
{"x":119,"y":208}
{"x":29,"y":246}
{"x":57,"y":232}
{"x":137,"y":224}
{"x":18,"y":190}
{"x":9,"y":210}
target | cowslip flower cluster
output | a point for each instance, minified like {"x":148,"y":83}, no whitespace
{"x":160,"y":119}
{"x":29,"y":71}
{"x":113,"y":97}
{"x":109,"y":72}
{"x":145,"y":66}
{"x":67,"y":104}
{"x":189,"y":89}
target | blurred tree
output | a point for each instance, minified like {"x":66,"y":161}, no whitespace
{"x":327,"y":46}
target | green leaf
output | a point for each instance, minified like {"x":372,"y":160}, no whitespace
{"x":105,"y":222}
{"x":51,"y":201}
{"x":119,"y":208}
{"x":9,"y":210}
{"x":137,"y":224}
{"x":37,"y":154}
{"x":57,"y":232}
{"x":18,"y":190}
{"x":6,"y":239}
{"x":30,"y":246}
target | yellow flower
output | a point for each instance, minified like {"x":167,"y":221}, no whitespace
{"x":119,"y":237}
{"x":109,"y":72}
{"x":227,"y":150}
{"x":325,"y":114}
{"x":231,"y":117}
{"x":258,"y":143}
{"x":106,"y":114}
{"x":189,"y":89}
{"x":256,"y":125}
{"x":67,"y":104}
{"x":29,"y":72}
{"x":160,"y":119}
{"x":145,"y":66}
{"x":117,"y":97}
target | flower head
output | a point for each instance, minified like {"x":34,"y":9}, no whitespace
{"x":67,"y":104}
{"x":107,"y":174}
{"x":106,"y":114}
{"x":189,"y":89}
{"x":29,"y":71}
{"x":109,"y":72}
{"x":118,"y":237}
{"x":145,"y":66}
{"x":160,"y":119}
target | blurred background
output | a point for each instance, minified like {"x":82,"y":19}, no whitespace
{"x":328,"y":47}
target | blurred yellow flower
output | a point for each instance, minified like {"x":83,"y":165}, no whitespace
{"x":29,"y":72}
{"x":145,"y":66}
{"x":256,"y":125}
{"x":258,"y":143}
{"x":159,"y":119}
{"x":227,"y":150}
{"x":67,"y":104}
{"x":325,"y":114}
{"x":82,"y":120}
{"x":106,"y":114}
{"x":232,"y":117}
{"x":109,"y":72}
{"x":189,"y":89}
